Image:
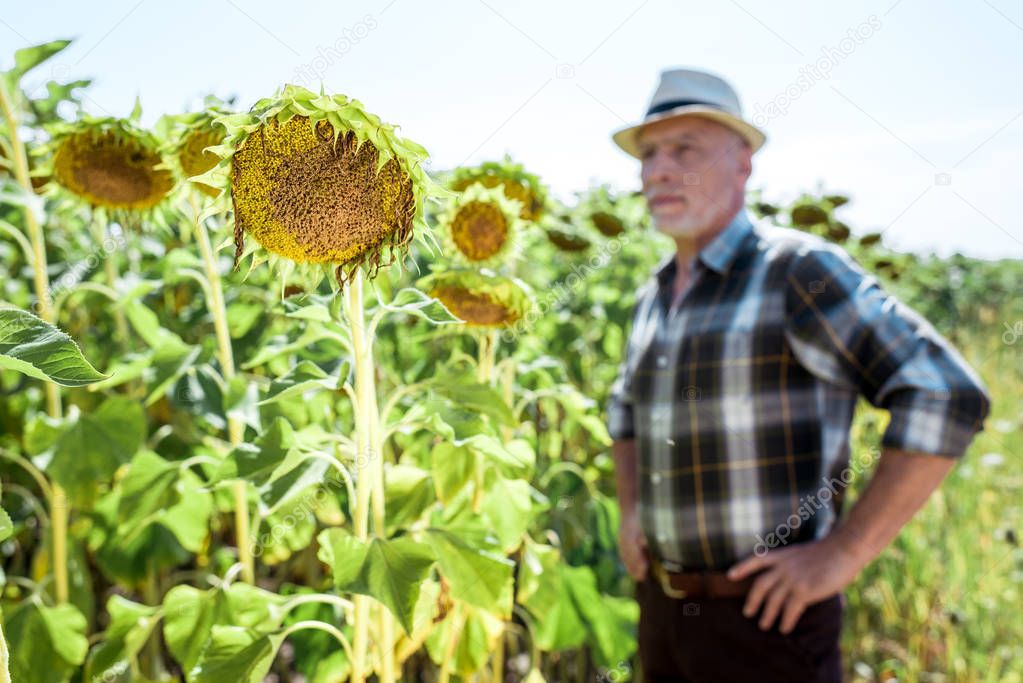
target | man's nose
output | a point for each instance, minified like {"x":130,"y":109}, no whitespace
{"x":656,"y":168}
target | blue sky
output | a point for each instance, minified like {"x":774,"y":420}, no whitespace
{"x":919,"y":116}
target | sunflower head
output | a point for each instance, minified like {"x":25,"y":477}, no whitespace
{"x":480,"y":298}
{"x":608,"y":213}
{"x":480,"y":226}
{"x":568,"y":240}
{"x":510,"y":177}
{"x":110,"y":163}
{"x":191,"y":135}
{"x":320,"y":183}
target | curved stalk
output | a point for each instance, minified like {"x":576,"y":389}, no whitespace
{"x":33,"y":471}
{"x":321,"y":626}
{"x":59,"y":511}
{"x":225,"y":354}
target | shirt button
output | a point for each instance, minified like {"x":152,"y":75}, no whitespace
{"x":662,"y":361}
{"x":656,"y":477}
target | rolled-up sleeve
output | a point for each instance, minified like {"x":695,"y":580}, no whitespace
{"x":844,"y":328}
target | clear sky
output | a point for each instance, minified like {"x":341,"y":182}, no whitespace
{"x":913,"y":107}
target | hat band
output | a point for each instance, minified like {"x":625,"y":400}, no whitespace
{"x":672,"y":104}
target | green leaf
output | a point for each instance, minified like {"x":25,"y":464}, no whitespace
{"x":47,"y":644}
{"x":89,"y":450}
{"x":147,"y":489}
{"x":241,"y":401}
{"x":27,"y":58}
{"x":257,"y":461}
{"x":190,"y":615}
{"x":390,"y":571}
{"x":236,"y":654}
{"x":468,"y":557}
{"x":409,"y":493}
{"x":420,"y":304}
{"x":305,"y":376}
{"x":542,"y":590}
{"x":509,"y":506}
{"x":38,"y":349}
{"x":6,"y":525}
{"x":452,"y":468}
{"x":130,"y":627}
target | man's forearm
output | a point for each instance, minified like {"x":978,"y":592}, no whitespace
{"x":626,"y":473}
{"x":901,"y":484}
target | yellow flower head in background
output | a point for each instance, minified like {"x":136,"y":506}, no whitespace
{"x":111,"y":163}
{"x":480,"y":298}
{"x":510,"y":177}
{"x":481,"y":226}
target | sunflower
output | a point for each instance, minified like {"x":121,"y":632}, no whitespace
{"x":480,"y":226}
{"x":480,"y":298}
{"x":512,"y":178}
{"x":566,"y":240}
{"x":195,"y":133}
{"x":110,"y":163}
{"x":319,"y":182}
{"x":609,"y":213}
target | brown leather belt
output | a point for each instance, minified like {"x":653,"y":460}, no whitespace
{"x":695,"y":585}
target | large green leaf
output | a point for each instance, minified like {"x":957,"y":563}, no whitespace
{"x":190,"y":615}
{"x":47,"y":644}
{"x":390,"y":571}
{"x":38,"y":349}
{"x":409,"y":494}
{"x":147,"y":489}
{"x":85,"y":451}
{"x":256,"y":462}
{"x":236,"y":654}
{"x":469,"y":559}
{"x":130,"y":627}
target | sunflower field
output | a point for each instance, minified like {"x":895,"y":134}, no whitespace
{"x":277,"y":404}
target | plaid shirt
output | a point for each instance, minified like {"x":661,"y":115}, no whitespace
{"x":741,"y":395}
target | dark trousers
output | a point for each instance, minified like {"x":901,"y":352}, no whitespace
{"x":710,"y":641}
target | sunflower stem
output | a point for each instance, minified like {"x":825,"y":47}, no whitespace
{"x":369,"y":477}
{"x":225,"y":353}
{"x":99,"y":232}
{"x":59,"y":511}
{"x":456,"y":626}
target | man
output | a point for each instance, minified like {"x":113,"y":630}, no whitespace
{"x":731,"y":413}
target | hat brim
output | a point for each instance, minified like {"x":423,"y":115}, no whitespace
{"x":628,"y":138}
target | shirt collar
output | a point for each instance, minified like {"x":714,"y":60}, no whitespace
{"x":720,"y":253}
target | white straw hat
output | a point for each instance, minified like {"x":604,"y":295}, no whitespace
{"x":687,"y":92}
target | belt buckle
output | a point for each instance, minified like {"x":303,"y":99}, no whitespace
{"x":669,"y":590}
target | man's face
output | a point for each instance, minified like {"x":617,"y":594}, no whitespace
{"x":694,"y":173}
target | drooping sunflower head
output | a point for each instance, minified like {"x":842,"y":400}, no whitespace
{"x":517,"y":184}
{"x":190,"y":135}
{"x":480,"y":226}
{"x":568,"y":240}
{"x":319,"y":182}
{"x":609,"y":213}
{"x":480,"y":298}
{"x":110,"y":163}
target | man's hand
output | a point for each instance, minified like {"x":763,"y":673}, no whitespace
{"x":632,"y":546}
{"x":795,"y":577}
